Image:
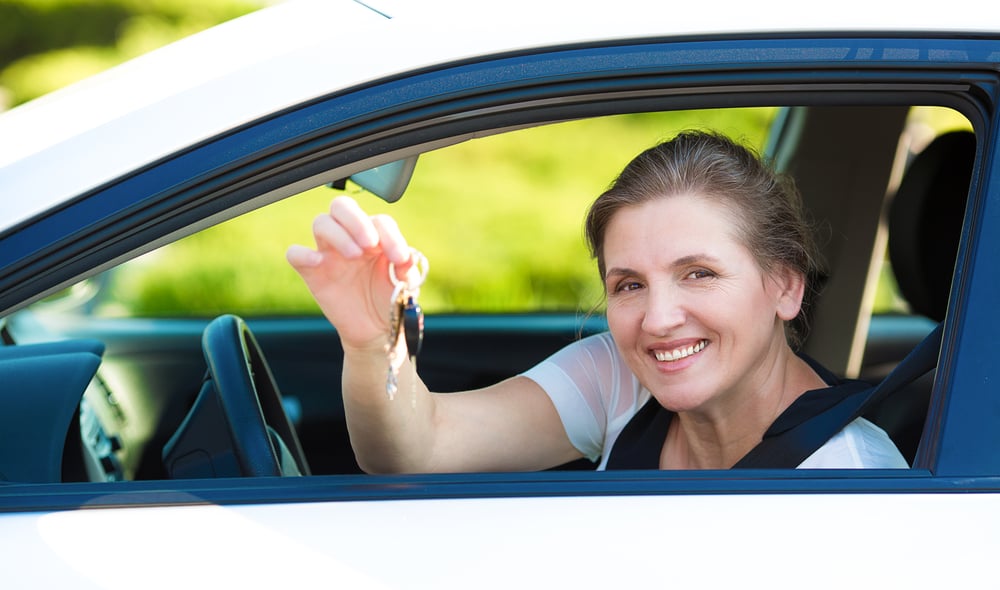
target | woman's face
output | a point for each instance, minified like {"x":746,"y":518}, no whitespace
{"x":695,"y":318}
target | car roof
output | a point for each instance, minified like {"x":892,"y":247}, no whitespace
{"x":78,"y":138}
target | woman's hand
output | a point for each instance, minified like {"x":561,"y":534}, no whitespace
{"x":348,"y":272}
{"x":509,"y":426}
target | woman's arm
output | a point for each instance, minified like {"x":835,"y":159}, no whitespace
{"x":512,"y":425}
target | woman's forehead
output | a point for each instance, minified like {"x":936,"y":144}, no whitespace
{"x":679,"y":218}
{"x":671,"y":231}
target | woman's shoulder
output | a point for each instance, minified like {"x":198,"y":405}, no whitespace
{"x":596,"y":350}
{"x":599,"y":340}
{"x":860,"y":445}
{"x":591,"y":388}
{"x":593,"y":371}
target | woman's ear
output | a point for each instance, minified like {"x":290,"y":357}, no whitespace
{"x":790,"y":288}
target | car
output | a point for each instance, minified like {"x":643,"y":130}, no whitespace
{"x":154,"y":340}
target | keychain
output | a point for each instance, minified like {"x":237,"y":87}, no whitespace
{"x":406,"y":323}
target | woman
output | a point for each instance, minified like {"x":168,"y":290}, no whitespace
{"x":705,"y":259}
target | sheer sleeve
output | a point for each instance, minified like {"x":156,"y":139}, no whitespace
{"x":592,"y":389}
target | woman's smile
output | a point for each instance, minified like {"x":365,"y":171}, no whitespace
{"x":676,"y":354}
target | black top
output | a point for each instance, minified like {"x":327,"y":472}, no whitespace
{"x":641,"y":441}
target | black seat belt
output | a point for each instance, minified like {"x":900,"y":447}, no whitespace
{"x":786,"y":448}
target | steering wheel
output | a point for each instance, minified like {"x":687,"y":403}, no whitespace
{"x":249,"y":399}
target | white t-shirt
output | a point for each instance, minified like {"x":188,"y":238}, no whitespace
{"x":596,"y":395}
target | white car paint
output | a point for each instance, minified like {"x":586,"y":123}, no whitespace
{"x":772,"y":541}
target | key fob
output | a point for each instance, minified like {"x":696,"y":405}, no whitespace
{"x":413,"y":326}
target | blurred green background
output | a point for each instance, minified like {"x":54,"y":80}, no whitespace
{"x":47,"y":44}
{"x":531,"y":187}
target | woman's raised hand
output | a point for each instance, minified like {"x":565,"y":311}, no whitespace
{"x":348,"y":272}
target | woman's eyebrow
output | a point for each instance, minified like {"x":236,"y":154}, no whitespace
{"x":695,"y":258}
{"x":618,"y":272}
{"x":701,"y":258}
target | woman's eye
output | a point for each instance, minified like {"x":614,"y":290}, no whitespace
{"x":626,"y":286}
{"x":700,"y":274}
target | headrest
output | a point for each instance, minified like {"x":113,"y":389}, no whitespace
{"x":925,"y":221}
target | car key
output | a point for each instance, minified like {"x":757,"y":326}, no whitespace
{"x":396,"y":333}
{"x":413,"y":327}
{"x":413,"y":332}
{"x":406,"y":323}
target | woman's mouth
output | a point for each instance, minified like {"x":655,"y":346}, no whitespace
{"x":679,"y":353}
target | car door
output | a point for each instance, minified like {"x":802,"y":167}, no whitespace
{"x":504,"y":529}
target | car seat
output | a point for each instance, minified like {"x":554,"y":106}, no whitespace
{"x":925,"y":225}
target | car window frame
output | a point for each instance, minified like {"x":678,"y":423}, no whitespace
{"x":307,"y":154}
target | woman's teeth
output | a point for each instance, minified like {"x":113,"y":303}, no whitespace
{"x":679,"y":353}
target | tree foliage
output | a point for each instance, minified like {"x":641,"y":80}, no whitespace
{"x":46,"y":44}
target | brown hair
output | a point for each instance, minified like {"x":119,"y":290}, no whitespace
{"x":767,"y":207}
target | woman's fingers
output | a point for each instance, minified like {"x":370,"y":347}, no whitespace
{"x":302,"y":258}
{"x":351,"y":230}
{"x":348,"y":271}
{"x":392,"y":241}
{"x":331,"y":234}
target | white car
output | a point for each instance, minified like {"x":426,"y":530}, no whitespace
{"x":886,"y":115}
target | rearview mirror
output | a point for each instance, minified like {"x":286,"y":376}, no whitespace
{"x":388,"y":181}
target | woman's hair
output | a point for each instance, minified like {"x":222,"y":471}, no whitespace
{"x":767,"y":207}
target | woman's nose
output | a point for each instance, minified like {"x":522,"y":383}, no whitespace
{"x":664,"y":312}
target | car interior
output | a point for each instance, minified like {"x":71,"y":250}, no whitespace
{"x":100,"y":398}
{"x":925,"y":225}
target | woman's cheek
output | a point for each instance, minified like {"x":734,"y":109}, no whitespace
{"x":623,"y":315}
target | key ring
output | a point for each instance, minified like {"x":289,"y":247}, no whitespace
{"x":406,"y":323}
{"x":420,"y":262}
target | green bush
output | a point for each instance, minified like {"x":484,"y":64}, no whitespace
{"x":47,"y":44}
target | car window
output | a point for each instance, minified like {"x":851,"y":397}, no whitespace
{"x":514,"y":199}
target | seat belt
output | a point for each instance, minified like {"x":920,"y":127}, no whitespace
{"x":787,"y":448}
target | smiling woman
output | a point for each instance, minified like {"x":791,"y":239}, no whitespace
{"x":706,"y":257}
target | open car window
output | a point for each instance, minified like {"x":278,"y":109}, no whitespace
{"x":515,"y":199}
